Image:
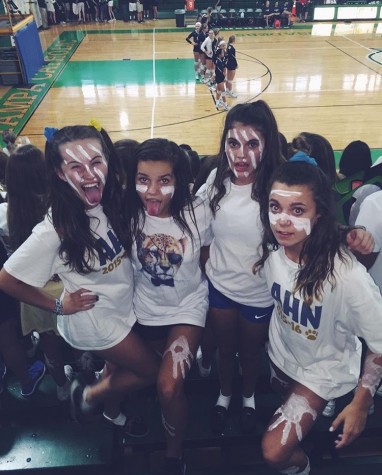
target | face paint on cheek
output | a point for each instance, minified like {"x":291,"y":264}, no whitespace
{"x":141,"y":188}
{"x":99,"y":152}
{"x":100,"y":175}
{"x":300,"y":224}
{"x":168,"y":190}
{"x":231,"y":159}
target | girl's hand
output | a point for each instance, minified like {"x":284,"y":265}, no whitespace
{"x":360,"y":240}
{"x":353,"y":418}
{"x":78,"y":301}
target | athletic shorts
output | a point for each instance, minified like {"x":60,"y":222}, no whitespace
{"x":132,"y":7}
{"x":252,"y":314}
{"x":110,"y":3}
{"x":152,"y":333}
{"x":139,"y":7}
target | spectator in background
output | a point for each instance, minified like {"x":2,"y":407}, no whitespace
{"x":355,"y":157}
{"x":320,"y":149}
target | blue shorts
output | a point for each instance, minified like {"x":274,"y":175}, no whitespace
{"x":252,"y":314}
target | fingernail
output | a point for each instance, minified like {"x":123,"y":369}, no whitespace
{"x":331,"y":429}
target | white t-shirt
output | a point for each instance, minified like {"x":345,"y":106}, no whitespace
{"x":237,"y":235}
{"x":169,"y":286}
{"x":370,"y":216}
{"x":317,"y":345}
{"x":112,"y":317}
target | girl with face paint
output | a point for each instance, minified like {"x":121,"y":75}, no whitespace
{"x":85,"y":242}
{"x":324,"y":301}
{"x":240,"y":304}
{"x":170,"y":298}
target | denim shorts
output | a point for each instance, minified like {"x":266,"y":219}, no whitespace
{"x":252,"y":314}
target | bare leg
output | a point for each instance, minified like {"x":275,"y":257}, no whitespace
{"x":180,"y":350}
{"x":225,"y":324}
{"x":137,"y":367}
{"x":289,"y":425}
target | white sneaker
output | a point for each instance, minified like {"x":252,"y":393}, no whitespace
{"x":35,"y":338}
{"x":63,"y":392}
{"x":203,"y":372}
{"x":329,"y":408}
{"x":226,"y":106}
{"x":219,"y":104}
{"x":232,"y":94}
{"x":196,"y":76}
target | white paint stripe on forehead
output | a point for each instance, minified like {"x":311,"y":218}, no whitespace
{"x":286,"y":193}
{"x":141,"y":188}
{"x":83,"y":152}
{"x":71,"y":154}
{"x":300,"y":224}
{"x":168,"y":190}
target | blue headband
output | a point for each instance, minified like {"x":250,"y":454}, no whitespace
{"x":303,"y":157}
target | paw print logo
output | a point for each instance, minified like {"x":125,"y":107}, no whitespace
{"x":311,"y":334}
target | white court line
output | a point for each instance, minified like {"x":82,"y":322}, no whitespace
{"x":154,"y":90}
{"x":358,"y":44}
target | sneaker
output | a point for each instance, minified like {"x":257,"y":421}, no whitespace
{"x":203,"y":372}
{"x":174,"y":466}
{"x":79,"y":408}
{"x":36,"y":372}
{"x":63,"y":392}
{"x":219,"y":104}
{"x":226,"y":106}
{"x":133,"y":427}
{"x":232,"y":94}
{"x":329,"y":408}
{"x":35,"y":340}
{"x":3,"y":372}
{"x":196,"y":76}
{"x":204,"y":80}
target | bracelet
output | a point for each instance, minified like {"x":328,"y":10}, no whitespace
{"x":58,"y":307}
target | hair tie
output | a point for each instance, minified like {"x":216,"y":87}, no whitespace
{"x":94,"y":123}
{"x":303,"y":157}
{"x":49,"y":133}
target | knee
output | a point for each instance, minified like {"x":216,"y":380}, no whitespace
{"x":275,"y":454}
{"x":168,"y":389}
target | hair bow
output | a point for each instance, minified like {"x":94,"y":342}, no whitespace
{"x":94,"y":123}
{"x":303,"y":157}
{"x":49,"y":133}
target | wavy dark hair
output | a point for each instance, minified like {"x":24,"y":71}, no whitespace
{"x":72,"y":223}
{"x":259,"y":115}
{"x":27,"y":186}
{"x":325,"y":241}
{"x":182,"y":202}
{"x":320,"y":149}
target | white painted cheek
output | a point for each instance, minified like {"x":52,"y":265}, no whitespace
{"x":76,"y":185}
{"x":168,"y":190}
{"x":231,"y":159}
{"x":141,"y":188}
{"x":252,"y":156}
{"x":100,"y":175}
{"x":300,"y":224}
